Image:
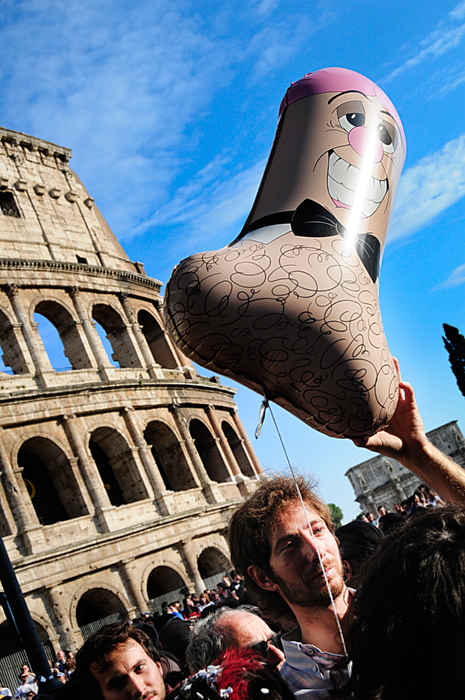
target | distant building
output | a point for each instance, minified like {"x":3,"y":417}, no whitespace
{"x":383,"y":481}
{"x":119,"y":469}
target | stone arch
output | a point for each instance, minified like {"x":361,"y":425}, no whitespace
{"x":212,"y":561}
{"x":208,"y":451}
{"x":116,"y":465}
{"x":50,"y":481}
{"x":235,"y":443}
{"x":169,"y":456}
{"x":12,"y":354}
{"x":156,"y":340}
{"x":163,"y":580}
{"x":99,"y":605}
{"x":10,"y":643}
{"x":67,"y":329}
{"x":124,"y":352}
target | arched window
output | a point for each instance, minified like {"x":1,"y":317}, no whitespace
{"x":124,"y":353}
{"x":98,"y":607}
{"x":169,"y":457}
{"x":60,"y":336}
{"x":237,"y":449}
{"x":155,"y":337}
{"x":212,"y":562}
{"x":117,"y":468}
{"x":50,"y":481}
{"x":163,"y":580}
{"x":208,"y":451}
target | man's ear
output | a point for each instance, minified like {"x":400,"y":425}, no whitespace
{"x":261,"y":579}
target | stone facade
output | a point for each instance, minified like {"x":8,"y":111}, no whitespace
{"x":118,"y":475}
{"x":382,"y":481}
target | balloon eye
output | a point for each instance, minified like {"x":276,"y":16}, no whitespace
{"x":387,"y":134}
{"x":351,"y":120}
{"x":384,"y":135}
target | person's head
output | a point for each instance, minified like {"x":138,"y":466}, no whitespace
{"x":381,"y":511}
{"x":240,"y":674}
{"x":60,"y":655}
{"x":120,"y":662}
{"x":204,"y":599}
{"x":241,"y":627}
{"x":25,"y":669}
{"x":226,"y":580}
{"x":370,"y":517}
{"x":411,"y":605}
{"x":272,"y":548}
{"x":357,"y":542}
{"x":389,"y":521}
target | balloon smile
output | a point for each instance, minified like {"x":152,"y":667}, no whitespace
{"x":344,"y":180}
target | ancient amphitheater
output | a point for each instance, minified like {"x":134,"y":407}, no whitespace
{"x":118,"y":474}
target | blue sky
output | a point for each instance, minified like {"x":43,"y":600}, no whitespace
{"x":170,"y":109}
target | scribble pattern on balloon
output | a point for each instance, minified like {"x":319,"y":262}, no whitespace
{"x":311,"y":342}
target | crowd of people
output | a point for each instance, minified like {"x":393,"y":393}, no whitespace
{"x":62,"y":669}
{"x":367,"y":612}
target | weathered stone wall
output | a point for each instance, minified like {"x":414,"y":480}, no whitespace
{"x":118,"y":475}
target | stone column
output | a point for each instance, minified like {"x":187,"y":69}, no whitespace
{"x":60,"y":618}
{"x":138,"y":334}
{"x":188,"y":554}
{"x":39,"y":356}
{"x":248,"y":445}
{"x":26,"y":358}
{"x":147,"y":459}
{"x":182,"y":360}
{"x":126,"y":569}
{"x":218,"y":431}
{"x":86,"y":326}
{"x":89,"y":470}
{"x":20,"y":503}
{"x":210,"y":488}
{"x":95,"y":344}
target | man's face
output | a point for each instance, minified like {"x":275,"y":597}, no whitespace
{"x":294,"y":560}
{"x":60,"y":655}
{"x":131,"y":674}
{"x":247,"y":629}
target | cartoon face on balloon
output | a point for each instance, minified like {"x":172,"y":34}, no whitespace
{"x":290,"y":308}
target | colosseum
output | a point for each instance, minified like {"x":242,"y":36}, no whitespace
{"x":119,"y":469}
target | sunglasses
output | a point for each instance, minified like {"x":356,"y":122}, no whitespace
{"x":262,"y":647}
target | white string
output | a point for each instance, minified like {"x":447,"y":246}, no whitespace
{"x":266,"y":405}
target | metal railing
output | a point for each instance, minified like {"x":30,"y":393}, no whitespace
{"x":10,"y":666}
{"x":86,"y":630}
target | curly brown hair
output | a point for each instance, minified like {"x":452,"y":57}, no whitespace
{"x":251,"y":529}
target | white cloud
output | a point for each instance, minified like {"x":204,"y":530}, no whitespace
{"x":441,"y":40}
{"x":428,"y":188}
{"x":455,"y":279}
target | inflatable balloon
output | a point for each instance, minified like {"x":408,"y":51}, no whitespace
{"x":290,"y":308}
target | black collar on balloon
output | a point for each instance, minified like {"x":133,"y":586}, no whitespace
{"x":312,"y":220}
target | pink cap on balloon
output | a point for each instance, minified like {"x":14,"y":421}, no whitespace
{"x":338,"y":80}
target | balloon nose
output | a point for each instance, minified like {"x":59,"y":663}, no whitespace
{"x":366,"y":143}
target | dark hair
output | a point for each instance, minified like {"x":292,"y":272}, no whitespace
{"x":96,"y":650}
{"x":389,"y":522}
{"x":251,"y":529}
{"x":408,"y":635}
{"x":358,"y":540}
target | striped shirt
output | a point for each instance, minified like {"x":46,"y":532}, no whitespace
{"x":307,"y":669}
